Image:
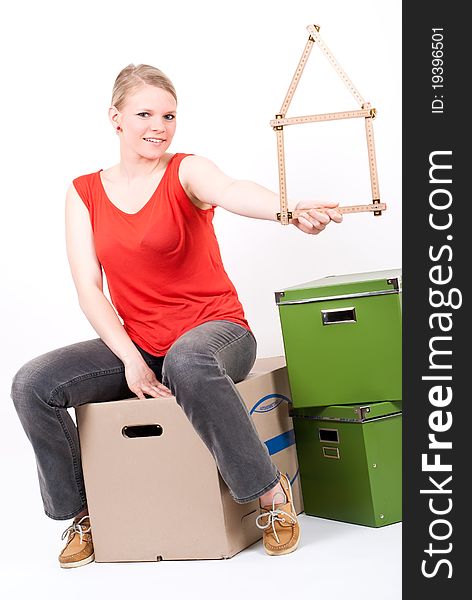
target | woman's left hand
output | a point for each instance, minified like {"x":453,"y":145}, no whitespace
{"x":308,"y":217}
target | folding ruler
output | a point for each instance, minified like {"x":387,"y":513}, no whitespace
{"x":366,"y":111}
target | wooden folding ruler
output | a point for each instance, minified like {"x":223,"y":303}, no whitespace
{"x":366,"y":111}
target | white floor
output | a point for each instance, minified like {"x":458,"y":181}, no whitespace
{"x":334,"y":560}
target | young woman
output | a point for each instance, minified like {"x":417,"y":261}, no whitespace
{"x":147,"y":222}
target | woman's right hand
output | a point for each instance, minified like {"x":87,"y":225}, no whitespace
{"x":142,"y":380}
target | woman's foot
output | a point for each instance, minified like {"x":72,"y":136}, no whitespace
{"x":266,"y":499}
{"x":278,"y":519}
{"x":81,"y":514}
{"x":79,"y":548}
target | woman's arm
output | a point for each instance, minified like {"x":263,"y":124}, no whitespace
{"x":87,"y":275}
{"x":205,"y":182}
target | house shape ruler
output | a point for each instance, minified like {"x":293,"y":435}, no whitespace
{"x":366,"y":111}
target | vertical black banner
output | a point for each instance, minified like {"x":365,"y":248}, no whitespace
{"x":437,"y":237}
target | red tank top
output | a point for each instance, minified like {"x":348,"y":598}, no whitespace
{"x":163,"y":264}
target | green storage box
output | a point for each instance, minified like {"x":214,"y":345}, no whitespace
{"x":343,"y":339}
{"x":350,"y":462}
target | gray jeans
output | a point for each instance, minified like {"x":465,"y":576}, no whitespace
{"x":200,"y":369}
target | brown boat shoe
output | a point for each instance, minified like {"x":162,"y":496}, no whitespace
{"x":79,"y":548}
{"x":281,"y":530}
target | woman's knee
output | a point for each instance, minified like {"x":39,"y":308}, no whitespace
{"x":30,"y":384}
{"x":42,"y":379}
{"x":193,"y":359}
{"x":66,"y":377}
{"x":185,"y":367}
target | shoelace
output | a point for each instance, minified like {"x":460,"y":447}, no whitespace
{"x":273,"y":515}
{"x":76,"y":527}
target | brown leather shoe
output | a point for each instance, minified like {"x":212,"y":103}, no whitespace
{"x":79,"y":548}
{"x":281,"y":530}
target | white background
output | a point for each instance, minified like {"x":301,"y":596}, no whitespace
{"x":231,"y":68}
{"x":231,"y":64}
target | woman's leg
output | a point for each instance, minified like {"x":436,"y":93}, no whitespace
{"x":201,"y":369}
{"x":42,"y":391}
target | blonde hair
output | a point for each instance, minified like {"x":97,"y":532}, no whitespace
{"x":133,"y":76}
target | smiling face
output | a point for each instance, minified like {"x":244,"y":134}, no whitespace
{"x":147,"y":121}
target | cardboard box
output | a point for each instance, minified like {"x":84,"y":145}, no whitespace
{"x":138,"y":487}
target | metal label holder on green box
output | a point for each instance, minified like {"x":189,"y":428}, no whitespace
{"x":350,"y":462}
{"x":343,"y":338}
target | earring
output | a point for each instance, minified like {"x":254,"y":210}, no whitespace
{"x":118,"y":129}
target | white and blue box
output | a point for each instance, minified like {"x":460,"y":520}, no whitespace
{"x":156,"y":493}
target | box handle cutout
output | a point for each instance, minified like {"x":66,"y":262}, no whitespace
{"x":335,"y":316}
{"x":328,"y":435}
{"x":329,"y":452}
{"x":139,"y":431}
